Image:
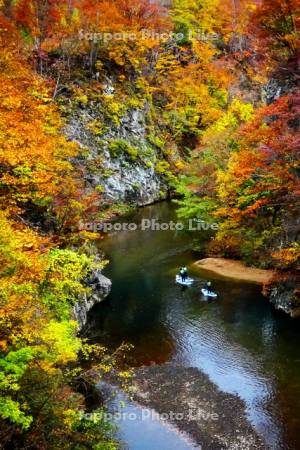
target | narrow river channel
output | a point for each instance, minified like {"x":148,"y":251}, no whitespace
{"x":238,"y":340}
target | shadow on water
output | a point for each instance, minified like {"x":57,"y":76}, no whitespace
{"x":141,"y":428}
{"x":238,"y":340}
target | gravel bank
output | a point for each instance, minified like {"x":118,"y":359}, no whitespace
{"x":189,"y":400}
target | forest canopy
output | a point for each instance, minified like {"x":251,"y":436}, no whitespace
{"x":228,"y":149}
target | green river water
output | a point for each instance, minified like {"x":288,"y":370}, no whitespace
{"x":239,"y":341}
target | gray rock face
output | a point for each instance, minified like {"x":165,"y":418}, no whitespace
{"x":133,"y":184}
{"x":275,"y":88}
{"x":272,"y":91}
{"x":119,"y":177}
{"x":285,"y":297}
{"x":100,"y":289}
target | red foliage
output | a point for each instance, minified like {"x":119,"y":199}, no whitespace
{"x":144,"y":14}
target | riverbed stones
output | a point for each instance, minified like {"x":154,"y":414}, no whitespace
{"x":190,"y":401}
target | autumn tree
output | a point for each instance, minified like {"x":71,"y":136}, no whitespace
{"x":275,"y":25}
{"x":259,"y":189}
{"x":39,"y":282}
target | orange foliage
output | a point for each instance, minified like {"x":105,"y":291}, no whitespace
{"x":33,"y":154}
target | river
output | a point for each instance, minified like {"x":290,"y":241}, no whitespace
{"x":239,"y":341}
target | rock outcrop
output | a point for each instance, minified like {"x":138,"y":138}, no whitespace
{"x":100,"y":289}
{"x":285,"y":296}
{"x":121,"y":177}
{"x":278,"y":87}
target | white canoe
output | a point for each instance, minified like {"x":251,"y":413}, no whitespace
{"x":187,"y":282}
{"x":209,"y":294}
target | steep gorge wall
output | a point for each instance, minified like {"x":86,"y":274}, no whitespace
{"x":121,"y":162}
{"x":100,"y":288}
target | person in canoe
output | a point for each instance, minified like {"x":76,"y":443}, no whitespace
{"x":183,"y":278}
{"x":184,"y":274}
{"x":181,"y":273}
{"x":208,"y":287}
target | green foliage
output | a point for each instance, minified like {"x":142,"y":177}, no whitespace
{"x":99,"y":188}
{"x":10,"y":409}
{"x":182,"y":31}
{"x":113,"y":109}
{"x":13,"y":366}
{"x":156,"y":141}
{"x":241,"y":169}
{"x":148,"y":164}
{"x":193,"y":206}
{"x":61,"y":344}
{"x":98,"y":431}
{"x":115,"y":209}
{"x":64,"y":274}
{"x":196,"y":15}
{"x":97,"y":127}
{"x":120,"y":147}
{"x":236,"y":113}
{"x":38,"y":338}
{"x":162,"y":167}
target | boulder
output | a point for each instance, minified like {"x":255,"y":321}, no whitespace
{"x":100,"y":289}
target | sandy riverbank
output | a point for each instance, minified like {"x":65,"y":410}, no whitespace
{"x":232,"y":269}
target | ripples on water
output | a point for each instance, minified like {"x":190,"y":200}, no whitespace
{"x":238,"y":340}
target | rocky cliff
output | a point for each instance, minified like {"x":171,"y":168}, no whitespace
{"x":100,"y":289}
{"x":285,"y":295}
{"x":117,"y":158}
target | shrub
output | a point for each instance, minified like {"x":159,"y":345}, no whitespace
{"x":120,"y":146}
{"x":162,"y":167}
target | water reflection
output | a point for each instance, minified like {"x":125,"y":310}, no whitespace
{"x":237,"y":340}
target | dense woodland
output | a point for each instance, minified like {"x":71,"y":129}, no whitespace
{"x":228,"y":149}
